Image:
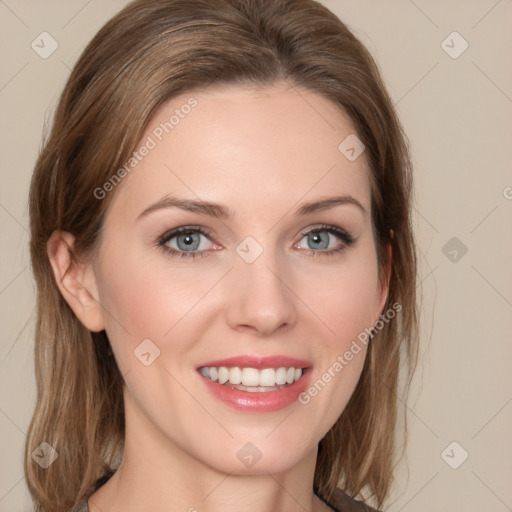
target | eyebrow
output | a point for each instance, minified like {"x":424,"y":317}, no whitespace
{"x":222,"y":212}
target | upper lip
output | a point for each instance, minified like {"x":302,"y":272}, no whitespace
{"x":258,"y":362}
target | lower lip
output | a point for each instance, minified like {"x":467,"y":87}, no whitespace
{"x":258,"y":401}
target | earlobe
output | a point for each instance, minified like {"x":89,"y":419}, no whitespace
{"x":75,"y":280}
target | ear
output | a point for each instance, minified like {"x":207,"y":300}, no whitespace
{"x":384,"y":281}
{"x":75,"y":280}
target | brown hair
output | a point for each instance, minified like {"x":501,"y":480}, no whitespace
{"x":148,"y":53}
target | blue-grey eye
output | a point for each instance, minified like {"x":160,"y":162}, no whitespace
{"x":321,"y":239}
{"x":187,"y":241}
{"x":318,"y":240}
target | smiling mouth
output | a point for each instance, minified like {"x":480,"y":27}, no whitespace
{"x":252,"y":379}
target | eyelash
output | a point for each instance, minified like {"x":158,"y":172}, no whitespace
{"x":346,"y":238}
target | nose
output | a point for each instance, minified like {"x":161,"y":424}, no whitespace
{"x":260,"y":296}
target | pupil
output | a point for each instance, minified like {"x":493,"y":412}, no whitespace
{"x":322,"y":242}
{"x":186,"y":241}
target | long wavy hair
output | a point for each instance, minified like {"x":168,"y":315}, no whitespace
{"x":151,"y":51}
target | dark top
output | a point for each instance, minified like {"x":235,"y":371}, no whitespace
{"x":341,"y":502}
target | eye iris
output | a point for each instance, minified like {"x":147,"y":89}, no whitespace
{"x":317,"y":238}
{"x":188,"y":240}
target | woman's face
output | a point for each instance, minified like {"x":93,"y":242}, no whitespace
{"x":276,"y":269}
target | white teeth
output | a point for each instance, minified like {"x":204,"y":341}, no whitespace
{"x":268,"y":377}
{"x":223,"y":375}
{"x":252,"y":379}
{"x":235,"y":375}
{"x":281,"y":376}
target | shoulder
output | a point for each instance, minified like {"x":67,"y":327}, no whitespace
{"x":342,"y":502}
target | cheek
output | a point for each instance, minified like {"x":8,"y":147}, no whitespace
{"x":347,"y":310}
{"x":143,"y":299}
{"x":344,"y":297}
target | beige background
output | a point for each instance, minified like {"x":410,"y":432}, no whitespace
{"x":457,"y":113}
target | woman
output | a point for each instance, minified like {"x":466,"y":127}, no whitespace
{"x":220,"y":224}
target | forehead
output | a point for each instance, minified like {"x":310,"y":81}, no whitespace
{"x":247,"y":147}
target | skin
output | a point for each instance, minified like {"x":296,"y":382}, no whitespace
{"x":261,"y":153}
